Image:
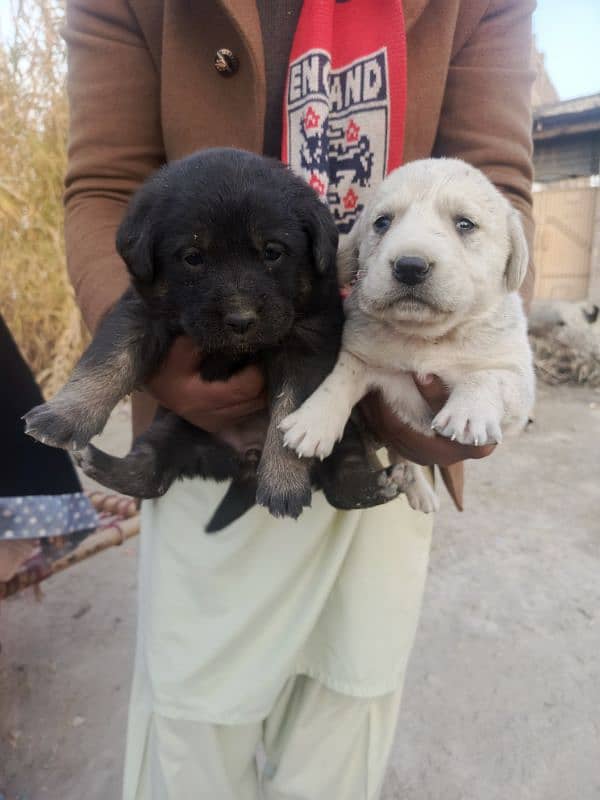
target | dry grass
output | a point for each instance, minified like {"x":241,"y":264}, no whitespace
{"x":35,"y":295}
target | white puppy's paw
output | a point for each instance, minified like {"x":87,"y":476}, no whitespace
{"x":468,"y":425}
{"x":310,"y":431}
{"x":420,"y":494}
{"x":423,"y":498}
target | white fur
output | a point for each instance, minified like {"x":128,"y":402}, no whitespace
{"x":465,"y":323}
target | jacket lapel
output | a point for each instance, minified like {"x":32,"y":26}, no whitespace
{"x":244,"y":16}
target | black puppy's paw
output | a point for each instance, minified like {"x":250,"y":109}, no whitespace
{"x":362,"y":488}
{"x":135,"y":475}
{"x":59,"y":424}
{"x":285,"y":498}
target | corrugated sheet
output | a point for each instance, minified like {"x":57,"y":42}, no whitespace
{"x":577,"y":105}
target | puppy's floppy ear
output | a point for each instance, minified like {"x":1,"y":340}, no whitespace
{"x":518,"y":257}
{"x":135,"y":237}
{"x":324,"y":237}
{"x":347,"y":257}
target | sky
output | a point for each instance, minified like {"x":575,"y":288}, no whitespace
{"x":568,"y":33}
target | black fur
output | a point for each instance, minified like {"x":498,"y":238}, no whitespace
{"x":235,"y":251}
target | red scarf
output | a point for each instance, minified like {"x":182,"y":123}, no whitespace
{"x":345,"y":101}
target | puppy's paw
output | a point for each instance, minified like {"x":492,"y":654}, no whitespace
{"x":419,"y":493}
{"x":360,"y":488}
{"x":423,"y":498}
{"x":388,"y":485}
{"x":310,"y":431}
{"x":284,"y":501}
{"x":94,"y":463}
{"x":474,"y":426}
{"x":61,"y":425}
{"x":136,"y":475}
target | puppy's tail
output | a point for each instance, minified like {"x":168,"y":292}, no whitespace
{"x":239,"y":498}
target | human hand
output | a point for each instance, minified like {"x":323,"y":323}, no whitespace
{"x":214,"y":406}
{"x":417,"y":447}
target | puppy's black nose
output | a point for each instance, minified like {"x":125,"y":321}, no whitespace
{"x":410,"y":270}
{"x":240,"y":321}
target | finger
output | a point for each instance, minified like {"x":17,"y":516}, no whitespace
{"x":432,"y":389}
{"x":382,"y":421}
{"x":185,"y":353}
{"x":445,"y":452}
{"x":426,"y":450}
{"x":482,"y":451}
{"x":181,"y":362}
{"x":217,"y":420}
{"x":245,"y":386}
{"x":417,"y":447}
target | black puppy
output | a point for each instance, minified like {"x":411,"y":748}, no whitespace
{"x":235,"y":251}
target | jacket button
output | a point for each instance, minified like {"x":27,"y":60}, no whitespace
{"x":226,"y":63}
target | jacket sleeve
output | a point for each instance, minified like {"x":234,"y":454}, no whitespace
{"x":115,"y":142}
{"x":486,"y":113}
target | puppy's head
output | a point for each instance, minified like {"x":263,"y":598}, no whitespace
{"x":436,"y":243}
{"x":229,"y":247}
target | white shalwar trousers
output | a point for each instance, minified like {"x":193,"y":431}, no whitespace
{"x":288,"y":636}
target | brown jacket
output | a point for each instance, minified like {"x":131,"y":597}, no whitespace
{"x":143,"y":90}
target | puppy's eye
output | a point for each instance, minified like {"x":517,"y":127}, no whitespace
{"x":464,"y":224}
{"x":382,"y":223}
{"x":193,"y":257}
{"x":272,"y":253}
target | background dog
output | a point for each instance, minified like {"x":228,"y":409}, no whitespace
{"x":235,"y":251}
{"x":437,"y":258}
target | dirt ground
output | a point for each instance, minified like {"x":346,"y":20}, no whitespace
{"x":503,"y":690}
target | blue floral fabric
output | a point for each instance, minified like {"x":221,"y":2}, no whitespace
{"x":45,"y":516}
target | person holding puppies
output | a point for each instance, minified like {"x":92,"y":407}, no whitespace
{"x":290,"y":635}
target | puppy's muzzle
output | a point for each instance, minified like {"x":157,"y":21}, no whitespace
{"x":240,"y":321}
{"x":411,"y":270}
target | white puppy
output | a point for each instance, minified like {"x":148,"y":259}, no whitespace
{"x":438,"y":256}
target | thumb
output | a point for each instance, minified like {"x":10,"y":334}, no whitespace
{"x":432,"y":389}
